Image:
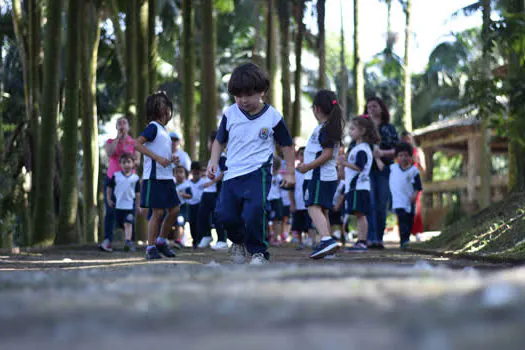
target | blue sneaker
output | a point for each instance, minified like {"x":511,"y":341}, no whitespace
{"x":358,"y":247}
{"x":152,"y":254}
{"x":165,"y":250}
{"x":325,"y":248}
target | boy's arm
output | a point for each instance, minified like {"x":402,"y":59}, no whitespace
{"x":139,"y":146}
{"x":289,"y":158}
{"x":216,"y":151}
{"x":109,"y":194}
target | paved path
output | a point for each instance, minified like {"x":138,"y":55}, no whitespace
{"x":85,"y":299}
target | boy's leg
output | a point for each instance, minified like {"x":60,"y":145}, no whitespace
{"x":320,"y":220}
{"x":205,"y":212}
{"x":229,"y":209}
{"x":403,"y":220}
{"x":154,"y":225}
{"x":128,"y":230}
{"x":169,"y":221}
{"x":255,"y":193}
{"x":194,"y":211}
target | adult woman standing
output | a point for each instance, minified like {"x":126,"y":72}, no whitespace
{"x":114,"y":148}
{"x":380,"y":190}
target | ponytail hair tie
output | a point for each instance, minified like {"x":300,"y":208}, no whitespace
{"x":366,"y":116}
{"x":334,"y":102}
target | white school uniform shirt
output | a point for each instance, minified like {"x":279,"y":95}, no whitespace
{"x":355,"y":180}
{"x":183,"y":187}
{"x":275,"y":188}
{"x":184,"y":159}
{"x":298,"y":191}
{"x":220,"y":168}
{"x":251,"y":139}
{"x":158,"y":142}
{"x":339,"y":192}
{"x":313,"y":150}
{"x":124,"y":189}
{"x":403,"y":184}
{"x":197,"y":188}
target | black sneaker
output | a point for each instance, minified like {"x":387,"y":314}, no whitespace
{"x":376,"y":245}
{"x":325,"y":248}
{"x":152,"y":254}
{"x":165,"y":250}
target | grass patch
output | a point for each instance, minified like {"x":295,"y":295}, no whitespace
{"x":498,"y":231}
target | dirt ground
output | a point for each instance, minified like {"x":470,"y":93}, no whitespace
{"x":82,"y":298}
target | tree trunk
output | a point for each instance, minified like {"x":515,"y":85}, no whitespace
{"x":485,"y":159}
{"x":388,"y":22}
{"x":283,"y":10}
{"x":113,"y":11}
{"x":44,"y":215}
{"x":209,"y":86}
{"x":516,"y":149}
{"x":407,"y":75}
{"x":258,"y":46}
{"x":188,"y":78}
{"x":143,"y":88}
{"x":131,"y":66}
{"x":22,"y":46}
{"x":34,"y":48}
{"x":271,"y":49}
{"x":359,"y":80}
{"x":321,"y":45}
{"x":69,"y":184}
{"x":344,"y":73}
{"x":152,"y":45}
{"x":296,"y":123}
{"x":90,"y":41}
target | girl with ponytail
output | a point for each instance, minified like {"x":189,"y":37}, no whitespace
{"x":319,"y":167}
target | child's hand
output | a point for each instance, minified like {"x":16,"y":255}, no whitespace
{"x":302,"y":168}
{"x":208,"y":184}
{"x":288,"y":180}
{"x":175,"y":159}
{"x":163,"y":161}
{"x":342,"y":160}
{"x":111,"y":204}
{"x":210,"y":172}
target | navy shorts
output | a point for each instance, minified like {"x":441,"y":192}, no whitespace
{"x":358,"y":202}
{"x":286,"y":211}
{"x":319,"y":193}
{"x":124,"y":217}
{"x":158,"y":194}
{"x":335,"y":217}
{"x":275,"y":209}
{"x":301,"y":221}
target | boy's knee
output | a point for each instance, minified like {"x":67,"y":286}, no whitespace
{"x":173,"y":211}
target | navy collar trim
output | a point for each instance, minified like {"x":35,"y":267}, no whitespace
{"x":255,"y":116}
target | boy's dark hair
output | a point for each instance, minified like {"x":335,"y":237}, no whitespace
{"x":385,"y":114}
{"x":248,"y":78}
{"x":155,"y":105}
{"x":195,"y":165}
{"x":301,"y":149}
{"x":124,"y":156}
{"x":213,"y":135}
{"x":404,"y":147}
{"x":371,"y":135}
{"x":326,"y":100}
{"x":183,"y":168}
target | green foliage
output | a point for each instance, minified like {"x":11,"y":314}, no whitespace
{"x":445,"y":167}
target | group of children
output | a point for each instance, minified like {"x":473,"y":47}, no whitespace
{"x":256,"y":193}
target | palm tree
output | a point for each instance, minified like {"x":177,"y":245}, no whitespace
{"x":344,"y":73}
{"x":321,"y":42}
{"x":90,"y":164}
{"x":67,"y":219}
{"x":131,"y":65}
{"x":188,"y":78}
{"x":44,"y":216}
{"x":209,"y":88}
{"x":283,"y":9}
{"x":359,"y":81}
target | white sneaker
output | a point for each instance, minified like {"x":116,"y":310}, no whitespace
{"x":205,"y":242}
{"x":106,"y":246}
{"x":258,"y":259}
{"x":220,"y":246}
{"x":418,"y":237}
{"x":239,"y":253}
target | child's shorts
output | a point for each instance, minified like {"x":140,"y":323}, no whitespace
{"x":276,"y":210}
{"x":321,"y":193}
{"x":301,"y":221}
{"x":158,"y":194}
{"x":358,"y":202}
{"x":286,"y":211}
{"x":335,"y":217}
{"x":124,"y":217}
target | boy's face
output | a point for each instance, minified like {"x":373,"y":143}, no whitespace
{"x":180,"y":175}
{"x":404,"y":159}
{"x":300,"y":156}
{"x":127,"y":165}
{"x":196,"y":174}
{"x":249,"y":102}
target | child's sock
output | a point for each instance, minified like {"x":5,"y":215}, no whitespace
{"x":160,"y":240}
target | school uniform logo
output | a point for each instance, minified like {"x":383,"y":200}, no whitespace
{"x":264,"y":133}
